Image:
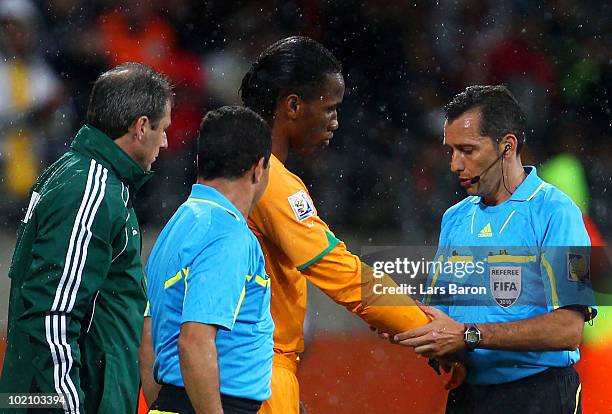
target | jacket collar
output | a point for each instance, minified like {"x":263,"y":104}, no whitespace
{"x":95,"y":144}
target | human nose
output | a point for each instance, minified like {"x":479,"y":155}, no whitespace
{"x":164,"y":144}
{"x":334,"y":124}
{"x":456,"y":165}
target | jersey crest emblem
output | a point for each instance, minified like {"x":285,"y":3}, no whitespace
{"x":505,"y":283}
{"x":301,"y":205}
{"x":578,"y":268}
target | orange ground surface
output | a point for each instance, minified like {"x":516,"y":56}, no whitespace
{"x":373,"y":377}
{"x":359,"y":373}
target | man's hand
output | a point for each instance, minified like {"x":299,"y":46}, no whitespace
{"x":440,"y":338}
{"x":458,"y":372}
{"x":383,"y":335}
{"x":146,"y":358}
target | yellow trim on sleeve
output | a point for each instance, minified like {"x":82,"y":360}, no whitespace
{"x":161,"y":412}
{"x":242,"y":294}
{"x":507,"y":258}
{"x":178,"y":276}
{"x":261,"y":281}
{"x":147,"y":310}
{"x":551,"y":278}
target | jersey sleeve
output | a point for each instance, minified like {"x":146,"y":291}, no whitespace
{"x":350,"y":283}
{"x":70,"y":258}
{"x":565,"y":261}
{"x":286,"y":216}
{"x":215,"y":282}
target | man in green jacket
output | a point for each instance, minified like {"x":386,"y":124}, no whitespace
{"x":77,"y":286}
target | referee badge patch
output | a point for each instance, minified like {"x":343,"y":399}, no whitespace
{"x":578,"y":268}
{"x":505,"y":284}
{"x":301,"y":205}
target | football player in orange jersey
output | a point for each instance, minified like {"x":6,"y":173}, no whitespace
{"x":296,"y":84}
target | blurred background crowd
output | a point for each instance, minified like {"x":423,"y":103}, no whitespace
{"x":386,"y":175}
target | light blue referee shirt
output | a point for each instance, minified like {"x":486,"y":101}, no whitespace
{"x":208,"y":267}
{"x":533,"y":257}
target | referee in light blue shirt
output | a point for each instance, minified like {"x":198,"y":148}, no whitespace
{"x":208,"y":291}
{"x":520,"y":338}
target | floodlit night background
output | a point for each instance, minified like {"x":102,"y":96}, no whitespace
{"x":385,"y":179}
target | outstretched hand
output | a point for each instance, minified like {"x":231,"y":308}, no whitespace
{"x":382,"y":334}
{"x":440,"y":338}
{"x":435,"y":339}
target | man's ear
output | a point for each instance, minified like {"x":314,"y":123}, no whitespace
{"x":292,"y":106}
{"x":137,"y":129}
{"x":510,"y":145}
{"x":258,"y":171}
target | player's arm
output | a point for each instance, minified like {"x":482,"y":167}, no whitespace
{"x":287,"y":218}
{"x":350,"y":283}
{"x":557,"y":330}
{"x":215,"y":288}
{"x":569,"y":302}
{"x":443,"y":337}
{"x":199,"y":368}
{"x":146,"y":359}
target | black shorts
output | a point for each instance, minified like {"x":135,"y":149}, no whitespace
{"x":175,"y":399}
{"x":553,"y":391}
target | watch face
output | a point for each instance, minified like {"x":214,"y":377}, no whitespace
{"x":472,"y":337}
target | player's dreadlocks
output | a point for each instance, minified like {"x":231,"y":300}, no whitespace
{"x":293,"y":65}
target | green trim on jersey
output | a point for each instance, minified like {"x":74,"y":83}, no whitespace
{"x":332,"y":242}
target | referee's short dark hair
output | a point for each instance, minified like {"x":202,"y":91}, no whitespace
{"x":232,"y":139}
{"x":125,"y":93}
{"x":500,"y":112}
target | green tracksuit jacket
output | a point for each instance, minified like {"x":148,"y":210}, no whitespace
{"x":77,"y":286}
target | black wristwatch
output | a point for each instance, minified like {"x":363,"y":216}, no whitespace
{"x":471,"y":336}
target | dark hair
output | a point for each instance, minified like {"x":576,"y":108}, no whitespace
{"x":293,"y":65}
{"x":500,"y":112}
{"x":124,"y":93}
{"x":232,"y":139}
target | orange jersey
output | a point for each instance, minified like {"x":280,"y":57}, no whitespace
{"x":297,"y":245}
